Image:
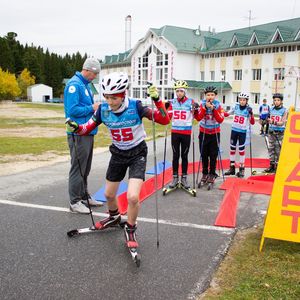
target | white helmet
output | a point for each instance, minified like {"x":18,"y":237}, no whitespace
{"x":114,"y":83}
{"x":244,"y":95}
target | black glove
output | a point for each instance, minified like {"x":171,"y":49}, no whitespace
{"x":167,"y":104}
{"x":195,"y":106}
{"x":250,"y":111}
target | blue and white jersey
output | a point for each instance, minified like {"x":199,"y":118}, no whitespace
{"x":126,"y":129}
{"x":182,"y":115}
{"x":264,"y":111}
{"x":240,"y":119}
{"x":277,"y":115}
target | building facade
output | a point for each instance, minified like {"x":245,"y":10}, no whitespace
{"x":259,"y":60}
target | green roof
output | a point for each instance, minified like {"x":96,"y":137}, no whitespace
{"x":224,"y":85}
{"x":184,"y":39}
{"x":117,"y":58}
{"x":197,"y":41}
{"x":264,"y":33}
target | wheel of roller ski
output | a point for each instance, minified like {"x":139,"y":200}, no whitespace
{"x":164,"y":192}
{"x":194,"y":193}
{"x":137,"y":260}
{"x":209,"y":187}
{"x":72,"y":233}
{"x":254,"y":172}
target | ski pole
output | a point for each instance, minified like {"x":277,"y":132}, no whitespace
{"x":250,"y":148}
{"x":201,"y":149}
{"x":165,"y":152}
{"x":80,"y":171}
{"x":155,"y":169}
{"x":219,"y":156}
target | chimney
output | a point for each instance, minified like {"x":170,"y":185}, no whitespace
{"x":128,"y":33}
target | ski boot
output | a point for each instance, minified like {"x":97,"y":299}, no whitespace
{"x":203,"y":180}
{"x":132,"y":243}
{"x":211,"y":180}
{"x":241,"y":172}
{"x":231,"y":171}
{"x":112,"y":220}
{"x":172,"y":186}
{"x":271,"y":169}
{"x":185,"y":186}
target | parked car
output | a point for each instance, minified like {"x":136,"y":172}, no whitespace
{"x":56,"y":100}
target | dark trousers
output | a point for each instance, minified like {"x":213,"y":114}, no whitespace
{"x":84,"y":154}
{"x":209,"y":149}
{"x":180,"y":142}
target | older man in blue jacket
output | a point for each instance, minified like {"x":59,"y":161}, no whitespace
{"x":80,"y":106}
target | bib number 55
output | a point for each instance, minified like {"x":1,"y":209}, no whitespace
{"x":123,"y":134}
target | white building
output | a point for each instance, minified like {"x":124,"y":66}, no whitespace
{"x":39,"y":93}
{"x":255,"y":60}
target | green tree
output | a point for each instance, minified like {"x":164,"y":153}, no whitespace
{"x":6,"y":57}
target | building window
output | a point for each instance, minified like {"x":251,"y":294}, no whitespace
{"x":166,"y":59}
{"x":136,"y":93}
{"x":255,"y":98}
{"x":139,"y":77}
{"x":238,"y":75}
{"x":223,"y":75}
{"x":278,"y":73}
{"x":145,"y":77}
{"x":223,"y":99}
{"x":169,"y":94}
{"x":202,"y":74}
{"x":165,"y":76}
{"x":212,"y":75}
{"x":144,"y":93}
{"x":236,"y":97}
{"x":159,"y":76}
{"x":159,"y":56}
{"x":256,"y":74}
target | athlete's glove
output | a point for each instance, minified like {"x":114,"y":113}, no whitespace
{"x":250,"y":111}
{"x":167,"y":104}
{"x":195,"y":106}
{"x":153,"y":93}
{"x":71,"y":126}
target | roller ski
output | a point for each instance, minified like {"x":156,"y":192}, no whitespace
{"x":186,"y":187}
{"x":203,"y":180}
{"x":109,"y":222}
{"x":268,"y":171}
{"x":132,"y":244}
{"x":175,"y":184}
{"x":210,"y":181}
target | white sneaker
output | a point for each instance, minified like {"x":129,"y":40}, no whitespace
{"x":93,"y":202}
{"x":79,"y":207}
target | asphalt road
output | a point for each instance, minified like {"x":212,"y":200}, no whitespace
{"x":39,"y":261}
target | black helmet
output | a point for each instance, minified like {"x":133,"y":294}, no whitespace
{"x":210,"y":89}
{"x":277,"y":95}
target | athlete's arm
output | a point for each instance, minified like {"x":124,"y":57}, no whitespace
{"x":161,"y":116}
{"x":91,"y":124}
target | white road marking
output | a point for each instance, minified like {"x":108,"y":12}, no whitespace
{"x":224,"y":230}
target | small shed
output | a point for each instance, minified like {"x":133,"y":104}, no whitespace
{"x":39,"y":93}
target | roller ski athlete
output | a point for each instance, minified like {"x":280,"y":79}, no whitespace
{"x":242,"y":116}
{"x":182,"y":111}
{"x":123,"y":117}
{"x":264,"y":113}
{"x":211,"y":115}
{"x":277,"y":121}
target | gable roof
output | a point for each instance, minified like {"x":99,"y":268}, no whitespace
{"x":288,"y":30}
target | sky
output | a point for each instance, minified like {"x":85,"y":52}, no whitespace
{"x":97,"y":27}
